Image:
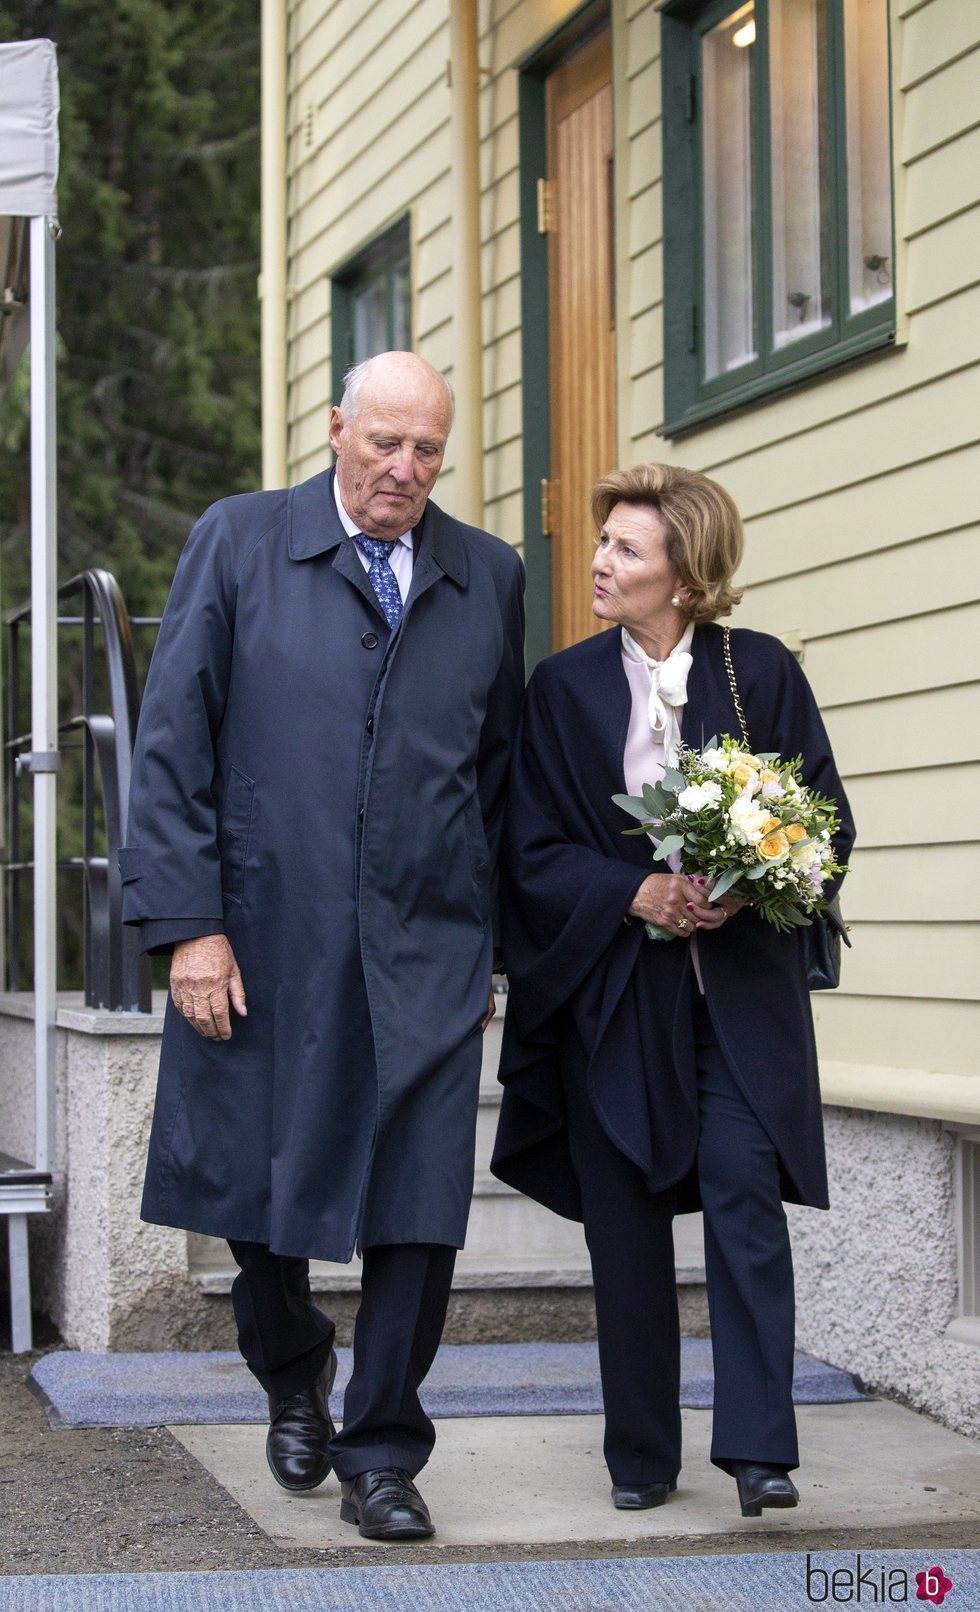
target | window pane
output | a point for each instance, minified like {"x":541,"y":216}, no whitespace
{"x":729,"y":305}
{"x":799,"y":101}
{"x":370,"y":320}
{"x":869,"y":197}
{"x":401,"y":307}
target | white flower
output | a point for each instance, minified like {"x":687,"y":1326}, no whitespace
{"x":805,"y":856}
{"x":696,"y":796}
{"x":714,"y":760}
{"x":747,"y":821}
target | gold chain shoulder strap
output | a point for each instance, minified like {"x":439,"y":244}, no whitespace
{"x":734,"y":688}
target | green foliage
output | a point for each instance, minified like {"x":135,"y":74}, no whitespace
{"x":158,"y":322}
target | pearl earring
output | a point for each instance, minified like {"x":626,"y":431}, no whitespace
{"x":675,"y":601}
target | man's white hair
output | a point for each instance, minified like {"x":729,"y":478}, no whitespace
{"x":358,"y":374}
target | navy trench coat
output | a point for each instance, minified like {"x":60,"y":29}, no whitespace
{"x":329,"y":795}
{"x":576,"y":968}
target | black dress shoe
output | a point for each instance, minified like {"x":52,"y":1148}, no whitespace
{"x":761,"y":1485}
{"x":300,"y":1430}
{"x":385,"y":1504}
{"x":641,"y":1496}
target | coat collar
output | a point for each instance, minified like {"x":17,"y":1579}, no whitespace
{"x":313,"y":527}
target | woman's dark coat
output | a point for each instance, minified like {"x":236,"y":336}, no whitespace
{"x":577,"y":969}
{"x":329,"y":796}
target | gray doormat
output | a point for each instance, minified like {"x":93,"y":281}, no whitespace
{"x":510,"y":1379}
{"x":751,"y":1583}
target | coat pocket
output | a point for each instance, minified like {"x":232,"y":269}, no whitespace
{"x":236,"y":822}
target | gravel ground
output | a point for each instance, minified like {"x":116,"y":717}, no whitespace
{"x":96,"y":1500}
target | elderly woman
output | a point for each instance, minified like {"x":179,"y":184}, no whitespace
{"x":644,"y":1078}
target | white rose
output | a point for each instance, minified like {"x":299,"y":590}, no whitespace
{"x":714,"y":760}
{"x":696,"y":796}
{"x":748,"y":821}
{"x":805,"y":856}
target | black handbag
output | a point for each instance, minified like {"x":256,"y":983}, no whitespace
{"x":821,"y":940}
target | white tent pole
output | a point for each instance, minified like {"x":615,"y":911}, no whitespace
{"x":44,"y":673}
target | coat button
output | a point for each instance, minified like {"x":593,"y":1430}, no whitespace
{"x":370,"y":724}
{"x":369,"y":640}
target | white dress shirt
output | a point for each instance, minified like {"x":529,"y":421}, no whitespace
{"x":400,"y":558}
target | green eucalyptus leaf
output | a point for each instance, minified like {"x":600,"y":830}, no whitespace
{"x":633,"y":805}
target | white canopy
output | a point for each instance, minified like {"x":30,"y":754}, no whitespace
{"x":28,"y":206}
{"x":28,"y":177}
{"x":28,"y":128}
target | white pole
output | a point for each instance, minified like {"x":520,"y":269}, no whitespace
{"x":44,"y":673}
{"x":467,"y":332}
{"x":272,"y":281}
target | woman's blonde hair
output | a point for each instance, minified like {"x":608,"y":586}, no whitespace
{"x":704,"y":530}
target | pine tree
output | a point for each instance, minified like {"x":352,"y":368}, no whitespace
{"x":158,"y":383}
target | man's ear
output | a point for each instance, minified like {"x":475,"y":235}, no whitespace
{"x":336,"y":428}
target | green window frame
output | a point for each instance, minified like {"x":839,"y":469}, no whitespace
{"x":371,"y":302}
{"x":777,"y":197}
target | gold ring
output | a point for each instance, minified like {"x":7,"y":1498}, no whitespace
{"x":682,"y":923}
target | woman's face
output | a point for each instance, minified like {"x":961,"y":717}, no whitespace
{"x":633,"y":579}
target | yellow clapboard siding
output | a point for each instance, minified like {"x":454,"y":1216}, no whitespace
{"x":646,"y":341}
{"x":916,"y":883}
{"x":643,"y":94}
{"x":939,"y":960}
{"x":309,"y":326}
{"x":309,"y":392}
{"x":943,"y":261}
{"x":499,"y":152}
{"x":890,"y":809}
{"x":433,"y":255}
{"x":505,"y":517}
{"x":943,"y":338}
{"x":642,"y":40}
{"x":500,"y":206}
{"x":931,"y":574}
{"x":914,"y":501}
{"x":646,"y":277}
{"x":941,"y":725}
{"x":910,"y":1034}
{"x":939,"y":108}
{"x":644,"y":162}
{"x":432,"y":302}
{"x":366,"y":63}
{"x":309,"y":439}
{"x":502,"y":310}
{"x":929,"y":421}
{"x":922,"y":652}
{"x":646,"y":401}
{"x":502,"y":470}
{"x":935,"y":35}
{"x":502,"y":364}
{"x":943,"y":183}
{"x":502,"y":416}
{"x":645,"y":220}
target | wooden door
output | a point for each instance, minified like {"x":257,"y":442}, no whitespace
{"x":581,"y":313}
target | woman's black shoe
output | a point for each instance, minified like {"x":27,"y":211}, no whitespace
{"x":641,"y":1496}
{"x":761,"y":1485}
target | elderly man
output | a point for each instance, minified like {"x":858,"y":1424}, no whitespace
{"x":317,"y":790}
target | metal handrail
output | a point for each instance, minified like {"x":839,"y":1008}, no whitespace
{"x":117,"y":976}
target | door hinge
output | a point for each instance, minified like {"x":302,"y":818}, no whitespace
{"x":546,"y":206}
{"x":549,"y":507}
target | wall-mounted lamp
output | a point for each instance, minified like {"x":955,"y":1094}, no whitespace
{"x":745,"y":35}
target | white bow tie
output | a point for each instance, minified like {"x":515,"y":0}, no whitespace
{"x":668,"y":688}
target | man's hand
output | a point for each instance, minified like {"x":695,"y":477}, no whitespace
{"x":204,"y":978}
{"x":491,"y":1010}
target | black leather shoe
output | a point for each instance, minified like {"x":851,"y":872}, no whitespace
{"x":385,"y":1504}
{"x":641,"y":1496}
{"x":761,"y":1485}
{"x":300,"y":1430}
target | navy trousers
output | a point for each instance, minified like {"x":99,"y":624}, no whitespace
{"x":748,"y":1273}
{"x":285,"y":1341}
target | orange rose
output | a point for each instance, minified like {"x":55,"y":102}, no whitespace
{"x":742,"y":773}
{"x":794,"y":832}
{"x":771,"y":826}
{"x":773,"y":848}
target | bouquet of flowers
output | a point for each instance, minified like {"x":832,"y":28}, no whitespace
{"x":745,"y":822}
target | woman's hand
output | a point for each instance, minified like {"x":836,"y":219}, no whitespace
{"x":680,"y":904}
{"x":675,"y":903}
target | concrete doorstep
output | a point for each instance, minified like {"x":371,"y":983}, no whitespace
{"x":519,"y":1481}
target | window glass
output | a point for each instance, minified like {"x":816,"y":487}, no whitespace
{"x":868,"y":153}
{"x":729,"y":301}
{"x":370,"y":320}
{"x":800,"y":169}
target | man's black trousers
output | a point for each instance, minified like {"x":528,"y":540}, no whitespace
{"x":285,"y":1341}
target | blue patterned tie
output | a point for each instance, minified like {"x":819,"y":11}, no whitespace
{"x":381,"y":577}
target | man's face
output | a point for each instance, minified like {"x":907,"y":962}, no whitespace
{"x":390,"y":453}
